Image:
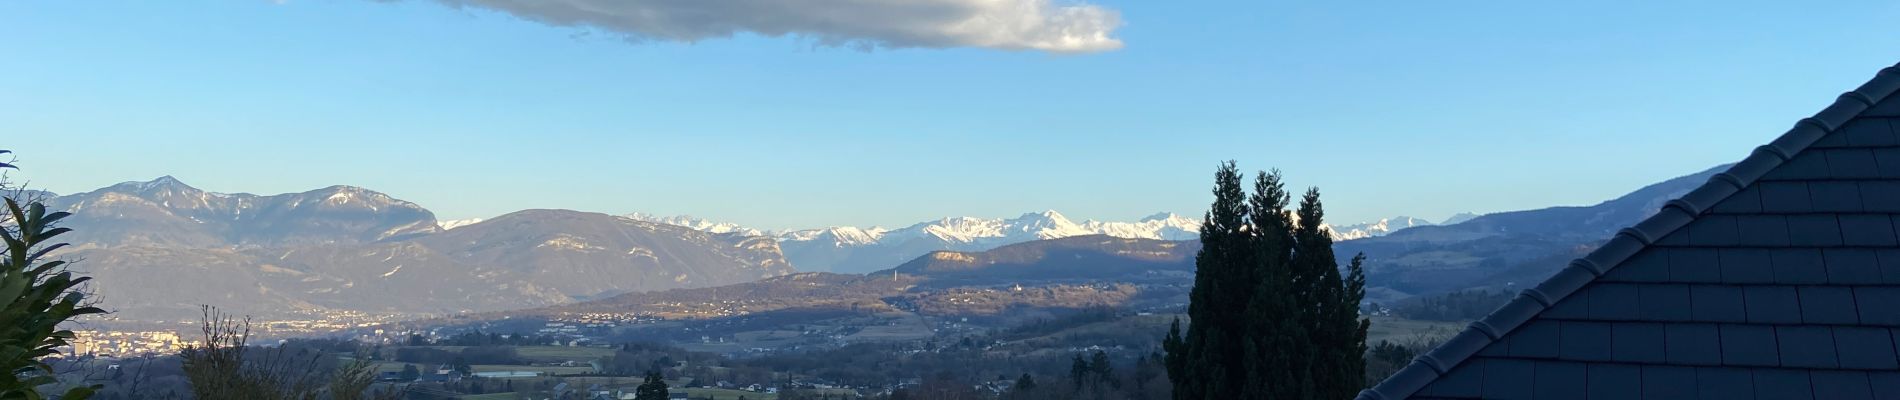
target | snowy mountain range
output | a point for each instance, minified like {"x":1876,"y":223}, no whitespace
{"x":851,"y":249}
{"x":1378,"y":228}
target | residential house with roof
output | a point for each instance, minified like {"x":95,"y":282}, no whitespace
{"x":1778,"y":279}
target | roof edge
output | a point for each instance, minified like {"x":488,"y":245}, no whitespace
{"x":1626,"y":243}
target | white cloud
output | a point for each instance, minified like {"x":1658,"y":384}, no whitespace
{"x":1039,"y":25}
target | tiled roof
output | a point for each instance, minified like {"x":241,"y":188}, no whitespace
{"x":1778,"y":279}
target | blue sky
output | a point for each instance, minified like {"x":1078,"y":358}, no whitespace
{"x":1391,"y":107}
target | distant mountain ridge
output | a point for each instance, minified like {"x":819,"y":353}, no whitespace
{"x":1504,"y":249}
{"x":161,"y":248}
{"x":130,"y":213}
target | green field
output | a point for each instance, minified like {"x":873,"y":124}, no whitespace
{"x":545,"y":370}
{"x":724,"y":394}
{"x":563,"y":353}
{"x":1400,"y":330}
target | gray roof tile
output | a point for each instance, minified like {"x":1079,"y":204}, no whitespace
{"x":1852,"y":267}
{"x":1560,"y":380}
{"x":1888,"y":160}
{"x":1867,"y":230}
{"x":1714,"y":231}
{"x":1538,"y":339}
{"x":1678,"y":238}
{"x":1833,"y":305}
{"x":1886,"y":385}
{"x":1835,"y":140}
{"x":1808,"y":165}
{"x":1869,"y":132}
{"x":1717,"y":303}
{"x":1746,"y":201}
{"x":1693,"y":344}
{"x":1466,"y":380}
{"x":1614,"y":302}
{"x":1806,"y":346}
{"x":1668,"y":382}
{"x":1614,"y":381}
{"x":1786,"y":197}
{"x":1889,"y":265}
{"x":1501,"y":348}
{"x":1722,"y":383}
{"x":1880,"y":196}
{"x":1763,"y":230}
{"x":1865,"y":348}
{"x":1743,"y":266}
{"x":1586,"y":341}
{"x":1695,"y":265}
{"x":1879,"y":305}
{"x":1835,"y":196}
{"x":1577,"y":306}
{"x":1650,"y":265}
{"x":1637,"y":342}
{"x":1799,"y":266}
{"x":1667,"y":302}
{"x":1821,"y":230}
{"x":1782,"y":384}
{"x":1841,"y":385}
{"x":1851,"y":163}
{"x":1508,"y":379}
{"x":1772,"y":304}
{"x":1749,"y":345}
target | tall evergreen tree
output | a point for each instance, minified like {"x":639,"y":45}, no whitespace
{"x":1277,"y":344}
{"x":1271,"y":316}
{"x":1078,"y":372}
{"x":1176,"y":360}
{"x":1223,"y":284}
{"x":1024,"y":383}
{"x":653,"y":389}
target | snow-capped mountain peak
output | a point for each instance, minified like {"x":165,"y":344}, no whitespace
{"x":696,"y":224}
{"x":457,"y":223}
{"x":1381,"y":227}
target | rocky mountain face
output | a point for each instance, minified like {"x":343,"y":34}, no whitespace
{"x":166,"y":212}
{"x":162,"y":248}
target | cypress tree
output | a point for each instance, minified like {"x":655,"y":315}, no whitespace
{"x":1078,"y":372}
{"x":1277,"y":345}
{"x":1271,"y":316}
{"x":1223,"y":283}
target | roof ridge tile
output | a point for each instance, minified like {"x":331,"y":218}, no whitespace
{"x":1592,"y":267}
